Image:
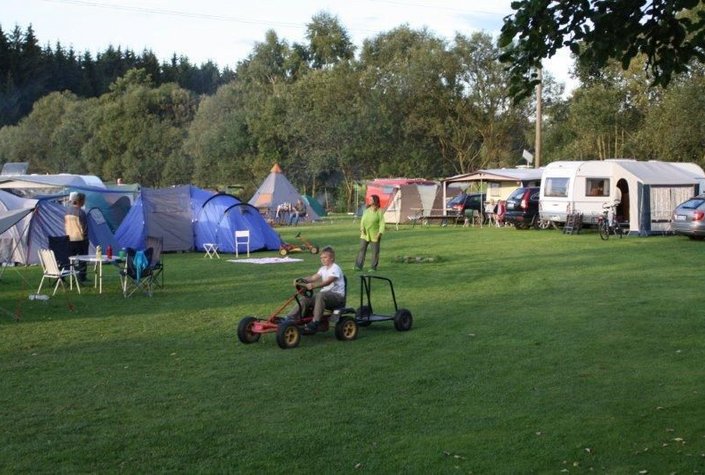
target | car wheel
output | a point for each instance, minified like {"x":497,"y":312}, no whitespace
{"x":362,"y":316}
{"x":346,"y":329}
{"x":288,"y":335}
{"x":244,"y":330}
{"x":403,"y":320}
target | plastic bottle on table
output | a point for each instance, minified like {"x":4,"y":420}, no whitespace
{"x":109,"y":252}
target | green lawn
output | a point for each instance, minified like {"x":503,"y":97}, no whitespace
{"x":531,"y":351}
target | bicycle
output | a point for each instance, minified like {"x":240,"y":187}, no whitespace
{"x":607,"y":223}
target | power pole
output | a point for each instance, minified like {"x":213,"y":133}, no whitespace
{"x":537,"y":141}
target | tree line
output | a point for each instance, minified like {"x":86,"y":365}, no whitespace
{"x":29,"y":71}
{"x":408,"y":103}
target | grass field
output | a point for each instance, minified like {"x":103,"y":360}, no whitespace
{"x":531,"y":352}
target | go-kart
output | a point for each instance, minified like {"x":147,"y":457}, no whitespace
{"x":346,"y":320}
{"x":365,"y":314}
{"x":289,"y":331}
{"x":306,"y":245}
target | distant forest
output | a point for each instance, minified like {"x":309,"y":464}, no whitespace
{"x":29,"y":71}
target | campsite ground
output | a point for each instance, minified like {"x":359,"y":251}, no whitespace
{"x":531,"y":351}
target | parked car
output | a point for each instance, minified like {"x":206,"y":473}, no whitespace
{"x":523,"y":207}
{"x":689,"y":218}
{"x":465,"y":203}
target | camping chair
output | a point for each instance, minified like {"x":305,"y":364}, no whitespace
{"x":157,"y":262}
{"x":137,"y":273}
{"x":51,"y":270}
{"x":242,"y":237}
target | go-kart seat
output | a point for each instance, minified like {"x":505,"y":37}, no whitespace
{"x":329,"y":312}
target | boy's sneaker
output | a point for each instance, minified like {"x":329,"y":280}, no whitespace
{"x":311,"y":328}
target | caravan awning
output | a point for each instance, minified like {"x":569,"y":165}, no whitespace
{"x":12,"y":217}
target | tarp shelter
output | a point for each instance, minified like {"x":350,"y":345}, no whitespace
{"x":385,"y":188}
{"x":409,"y":202}
{"x":313,"y":203}
{"x":497,"y":183}
{"x":222,"y":214}
{"x":276,"y":190}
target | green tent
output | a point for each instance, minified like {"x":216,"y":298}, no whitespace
{"x":313,"y":203}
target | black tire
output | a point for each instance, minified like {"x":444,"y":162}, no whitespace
{"x":604,"y":231}
{"x":288,"y":335}
{"x":314,"y":250}
{"x":244,"y":330}
{"x":283,"y":252}
{"x":346,"y":329}
{"x":403,"y":320}
{"x":362,"y":316}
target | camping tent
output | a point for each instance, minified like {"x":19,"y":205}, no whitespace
{"x":276,"y":190}
{"x":32,"y":232}
{"x":185,"y":217}
{"x":313,"y":203}
{"x":413,"y":200}
{"x":385,"y":188}
{"x":222,"y":214}
{"x":162,"y":212}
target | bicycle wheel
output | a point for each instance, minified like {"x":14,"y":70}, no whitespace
{"x":604,"y":231}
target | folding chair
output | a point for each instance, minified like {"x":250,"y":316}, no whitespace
{"x":51,"y":270}
{"x":137,"y":274}
{"x":242,"y":237}
{"x":157,"y":262}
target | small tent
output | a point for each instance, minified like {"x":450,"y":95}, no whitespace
{"x":222,"y":214}
{"x":276,"y":190}
{"x":315,"y":204}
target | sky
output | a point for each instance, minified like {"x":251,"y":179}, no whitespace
{"x":225,"y":31}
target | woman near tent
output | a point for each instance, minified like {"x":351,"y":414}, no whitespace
{"x":371,"y":230}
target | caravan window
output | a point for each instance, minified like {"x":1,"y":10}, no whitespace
{"x":597,"y":187}
{"x":556,"y":187}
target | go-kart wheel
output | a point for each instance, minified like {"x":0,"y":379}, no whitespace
{"x":314,"y":250}
{"x":306,"y":292}
{"x":244,"y":330}
{"x":403,"y":320}
{"x":346,"y":329}
{"x":362,"y":316}
{"x":288,"y":335}
{"x":283,"y":252}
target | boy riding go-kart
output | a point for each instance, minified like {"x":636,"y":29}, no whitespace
{"x":311,"y":313}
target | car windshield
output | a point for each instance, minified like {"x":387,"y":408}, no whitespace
{"x":517,"y":194}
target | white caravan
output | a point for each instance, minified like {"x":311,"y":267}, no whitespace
{"x":646,"y":192}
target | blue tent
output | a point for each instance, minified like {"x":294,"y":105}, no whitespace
{"x":32,"y":232}
{"x":222,"y":214}
{"x":187,"y":216}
